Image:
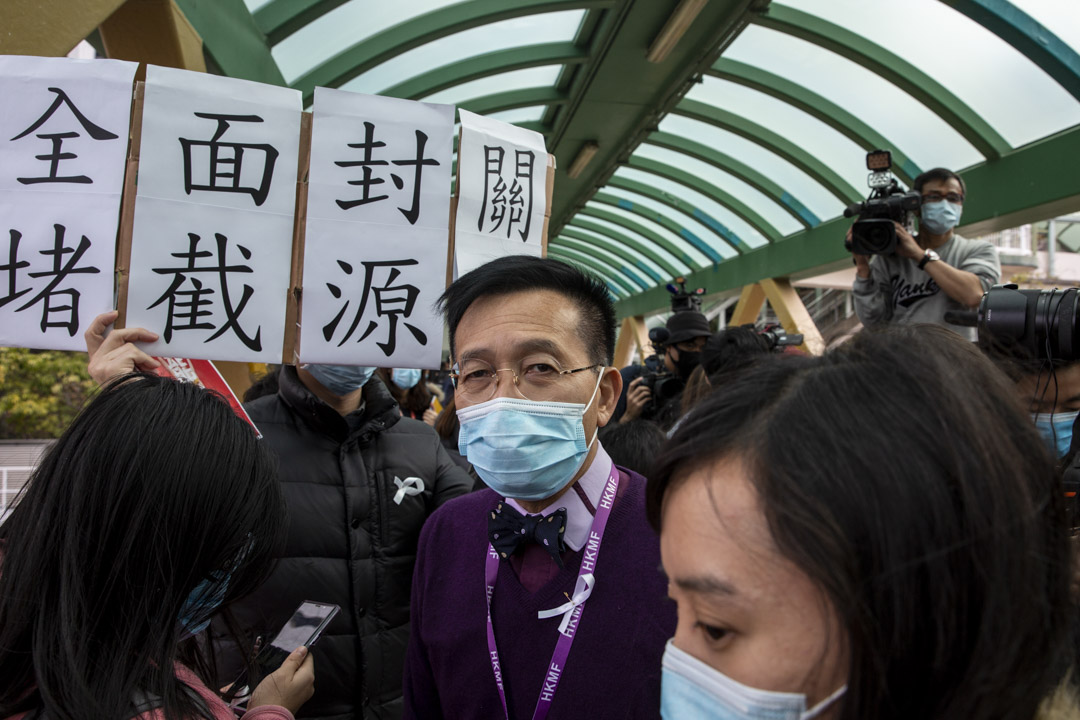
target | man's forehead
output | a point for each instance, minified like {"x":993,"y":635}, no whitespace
{"x":502,"y":322}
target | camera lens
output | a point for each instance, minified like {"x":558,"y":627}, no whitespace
{"x":1033,"y":324}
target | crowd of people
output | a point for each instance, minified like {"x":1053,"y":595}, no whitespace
{"x":878,"y":532}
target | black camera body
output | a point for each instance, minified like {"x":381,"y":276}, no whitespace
{"x":874,"y":233}
{"x":777,"y":338}
{"x":662,"y":383}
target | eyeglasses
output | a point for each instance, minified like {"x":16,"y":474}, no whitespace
{"x":952,"y":197}
{"x":476,"y":381}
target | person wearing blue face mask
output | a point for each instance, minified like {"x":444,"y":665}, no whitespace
{"x":537,"y":597}
{"x":360,"y":482}
{"x":409,"y":390}
{"x":931,"y":272}
{"x":1053,"y":399}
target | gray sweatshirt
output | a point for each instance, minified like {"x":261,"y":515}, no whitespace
{"x":898,"y":291}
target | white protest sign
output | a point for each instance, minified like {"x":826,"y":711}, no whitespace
{"x":63,"y":145}
{"x":502,"y":192}
{"x":212,"y":245}
{"x":378,"y":220}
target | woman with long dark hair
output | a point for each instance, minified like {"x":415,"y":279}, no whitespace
{"x":877,"y":533}
{"x":155,"y":507}
{"x":409,"y":389}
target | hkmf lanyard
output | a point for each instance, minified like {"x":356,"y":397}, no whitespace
{"x":570,"y":611}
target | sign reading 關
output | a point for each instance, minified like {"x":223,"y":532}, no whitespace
{"x":377,"y":230}
{"x":502,"y":192}
{"x":212,"y":243}
{"x":63,"y":142}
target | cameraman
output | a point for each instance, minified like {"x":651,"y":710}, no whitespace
{"x":932,"y":272}
{"x":687,"y":332}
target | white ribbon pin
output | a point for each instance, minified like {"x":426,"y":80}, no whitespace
{"x":408,"y":486}
{"x":582,"y":591}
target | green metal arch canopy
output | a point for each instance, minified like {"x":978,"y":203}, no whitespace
{"x":818,"y":106}
{"x":1027,"y":35}
{"x":709,"y":190}
{"x":578,"y":227}
{"x":891,"y":67}
{"x":512,"y":99}
{"x":722,"y":161}
{"x":591,"y":249}
{"x":629,"y":226}
{"x":597,"y":267}
{"x":414,"y":32}
{"x":487,"y":65}
{"x":570,"y":234}
{"x":774,"y":143}
{"x":278,"y":19}
{"x":665,"y":222}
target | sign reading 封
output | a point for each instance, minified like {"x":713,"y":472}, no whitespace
{"x":211,"y":252}
{"x":63,"y":142}
{"x":378,"y":218}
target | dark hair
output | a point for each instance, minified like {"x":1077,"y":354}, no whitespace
{"x":938,"y":174}
{"x":153,"y":488}
{"x":519,"y":273}
{"x":633,"y":444}
{"x":265,"y":385}
{"x":732,"y":349}
{"x":415,"y":400}
{"x":447,"y":424}
{"x":901,"y":475}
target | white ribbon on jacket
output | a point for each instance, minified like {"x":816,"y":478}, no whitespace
{"x":408,"y":486}
{"x":582,"y":591}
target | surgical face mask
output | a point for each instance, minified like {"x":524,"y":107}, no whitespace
{"x":405,"y":378}
{"x":940,"y":217}
{"x":341,"y":379}
{"x":691,"y":689}
{"x":523,"y":449}
{"x":202,"y":602}
{"x":1056,"y":430}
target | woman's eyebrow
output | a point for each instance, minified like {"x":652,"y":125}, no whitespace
{"x":706,"y":585}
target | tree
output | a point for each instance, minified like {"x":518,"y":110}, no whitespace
{"x":41,"y":391}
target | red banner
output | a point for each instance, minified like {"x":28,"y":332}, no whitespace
{"x":204,"y":374}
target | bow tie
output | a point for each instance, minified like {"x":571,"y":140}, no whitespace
{"x":508,"y":530}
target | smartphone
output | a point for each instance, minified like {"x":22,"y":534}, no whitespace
{"x":305,"y":627}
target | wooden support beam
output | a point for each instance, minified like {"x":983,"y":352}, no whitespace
{"x":153,"y":31}
{"x":795,"y":318}
{"x":751,"y":300}
{"x":49,"y":27}
{"x":632,"y":336}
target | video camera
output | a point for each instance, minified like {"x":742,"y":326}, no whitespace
{"x":663,"y":384}
{"x":777,"y":338}
{"x":874,"y":233}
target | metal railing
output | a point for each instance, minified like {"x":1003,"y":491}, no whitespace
{"x":5,"y":486}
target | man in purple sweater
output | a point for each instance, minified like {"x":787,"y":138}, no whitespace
{"x":542,"y":596}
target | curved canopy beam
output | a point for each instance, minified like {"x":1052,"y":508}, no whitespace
{"x":773,"y":142}
{"x":614,"y":248}
{"x":687,"y":209}
{"x":662,"y":220}
{"x":607,"y":199}
{"x":1027,"y":35}
{"x":360,"y":57}
{"x":709,"y":190}
{"x":514,"y":99}
{"x":818,"y":106}
{"x":587,"y":248}
{"x":487,"y":65}
{"x":722,"y":161}
{"x":581,"y":220}
{"x":891,"y":67}
{"x":598,"y":268}
{"x":278,"y":19}
{"x":621,"y":239}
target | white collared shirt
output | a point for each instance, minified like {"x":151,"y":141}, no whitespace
{"x":578,"y":518}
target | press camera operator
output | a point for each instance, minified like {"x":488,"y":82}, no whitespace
{"x":653,"y":391}
{"x":921,"y":276}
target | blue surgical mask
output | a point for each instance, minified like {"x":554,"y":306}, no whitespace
{"x":1056,"y":430}
{"x":341,"y":379}
{"x":691,"y":689}
{"x":202,"y":602}
{"x":405,"y":378}
{"x":523,"y":449}
{"x":940,"y":217}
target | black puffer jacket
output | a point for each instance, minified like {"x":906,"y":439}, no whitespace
{"x":349,"y":542}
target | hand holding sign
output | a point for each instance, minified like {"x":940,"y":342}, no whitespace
{"x":116,"y":354}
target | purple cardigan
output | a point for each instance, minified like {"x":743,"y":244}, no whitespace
{"x":613,"y":670}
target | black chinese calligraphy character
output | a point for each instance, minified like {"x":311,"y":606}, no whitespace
{"x":50,"y":297}
{"x":226,"y":160}
{"x":57,"y":139}
{"x":507,"y":202}
{"x":188,"y":309}
{"x":12,"y":267}
{"x":412,"y":214}
{"x":391,"y":301}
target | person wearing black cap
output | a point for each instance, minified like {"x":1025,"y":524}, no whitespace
{"x":687,"y":332}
